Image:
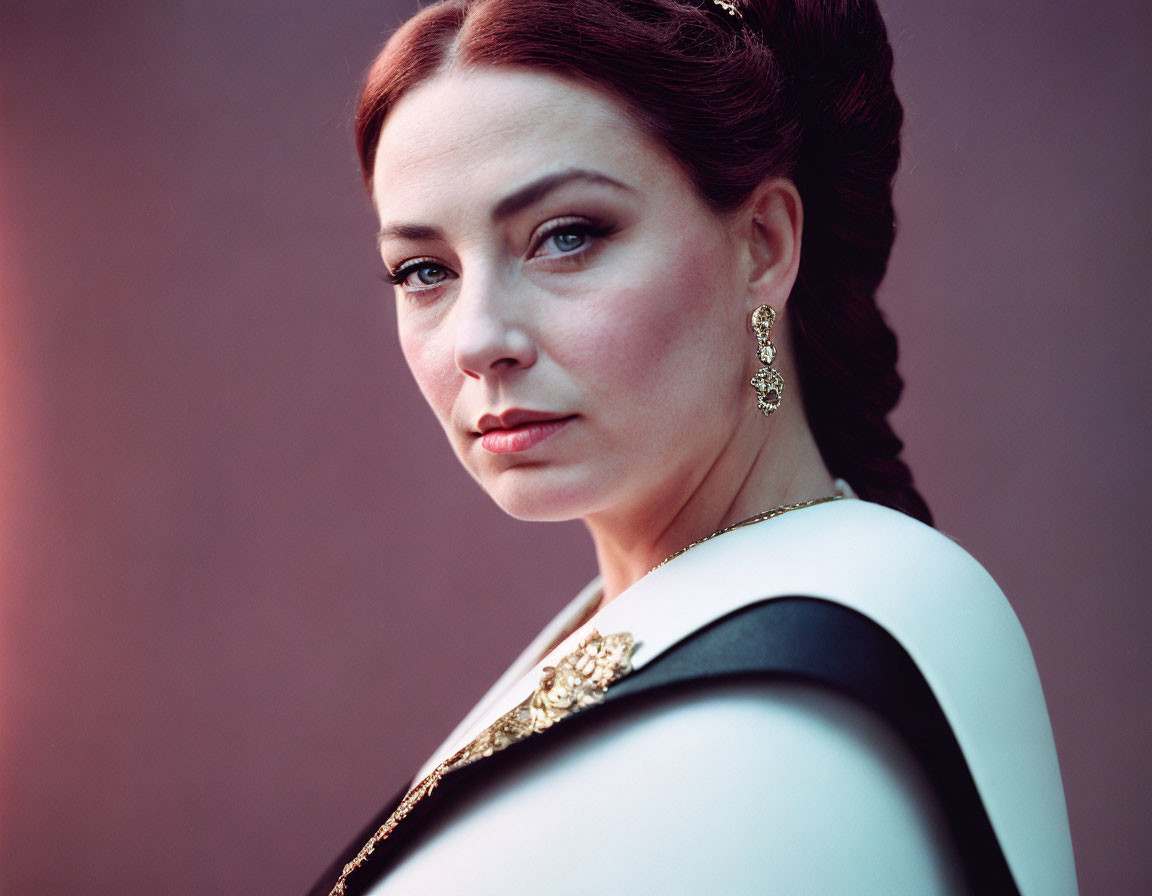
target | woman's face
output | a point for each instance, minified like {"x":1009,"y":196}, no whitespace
{"x":569,"y":307}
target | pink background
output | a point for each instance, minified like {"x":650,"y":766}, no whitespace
{"x":245,"y":588}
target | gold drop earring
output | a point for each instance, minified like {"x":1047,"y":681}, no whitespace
{"x":767,"y":381}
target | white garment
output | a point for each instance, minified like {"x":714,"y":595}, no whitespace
{"x":780,"y":788}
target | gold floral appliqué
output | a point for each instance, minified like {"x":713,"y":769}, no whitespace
{"x":579,"y":680}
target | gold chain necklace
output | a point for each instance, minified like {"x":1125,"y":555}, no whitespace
{"x":758,"y":518}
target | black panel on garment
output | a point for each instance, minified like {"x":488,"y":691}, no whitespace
{"x":792,"y":638}
{"x":819,"y":641}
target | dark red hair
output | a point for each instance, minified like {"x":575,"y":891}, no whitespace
{"x":794,"y":88}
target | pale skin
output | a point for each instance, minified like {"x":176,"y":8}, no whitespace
{"x":615,"y":300}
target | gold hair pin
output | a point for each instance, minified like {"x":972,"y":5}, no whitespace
{"x":729,"y":6}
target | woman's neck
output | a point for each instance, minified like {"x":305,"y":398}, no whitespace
{"x":748,"y":476}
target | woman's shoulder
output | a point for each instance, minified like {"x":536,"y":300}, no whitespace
{"x":912,"y":580}
{"x":937,"y":603}
{"x":870,"y":555}
{"x":919,"y":585}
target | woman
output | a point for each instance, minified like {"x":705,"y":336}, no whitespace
{"x":635,"y":247}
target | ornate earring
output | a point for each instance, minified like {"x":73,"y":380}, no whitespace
{"x":767,"y":381}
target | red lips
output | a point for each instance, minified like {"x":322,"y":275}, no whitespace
{"x":518,"y":430}
{"x":514,"y":417}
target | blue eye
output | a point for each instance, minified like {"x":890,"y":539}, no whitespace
{"x":572,"y":237}
{"x":428,"y":274}
{"x":567,"y":240}
{"x":437,"y":274}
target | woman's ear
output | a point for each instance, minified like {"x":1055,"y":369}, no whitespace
{"x":771,"y":224}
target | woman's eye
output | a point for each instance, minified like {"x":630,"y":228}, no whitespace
{"x":570,"y":238}
{"x":430,"y":274}
{"x":422,"y":275}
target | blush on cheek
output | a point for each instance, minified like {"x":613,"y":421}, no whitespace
{"x":665,"y":322}
{"x":662,"y":347}
{"x":435,"y":375}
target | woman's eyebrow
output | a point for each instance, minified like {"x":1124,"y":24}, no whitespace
{"x":536,"y":190}
{"x":510,"y":204}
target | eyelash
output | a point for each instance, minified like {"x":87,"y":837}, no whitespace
{"x":581,"y":226}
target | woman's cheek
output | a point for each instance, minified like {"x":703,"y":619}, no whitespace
{"x":612,"y":348}
{"x":652,"y":324}
{"x":431,"y":368}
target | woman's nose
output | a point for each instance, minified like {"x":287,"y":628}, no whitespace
{"x":493,"y":332}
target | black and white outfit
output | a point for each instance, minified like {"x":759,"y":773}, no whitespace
{"x":836,"y":700}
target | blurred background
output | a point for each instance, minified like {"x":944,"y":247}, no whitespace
{"x":245,"y":588}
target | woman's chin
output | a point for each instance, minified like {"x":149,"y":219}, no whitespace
{"x":540,"y":498}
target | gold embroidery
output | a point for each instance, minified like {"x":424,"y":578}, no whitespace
{"x":579,"y":680}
